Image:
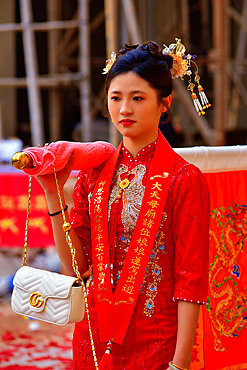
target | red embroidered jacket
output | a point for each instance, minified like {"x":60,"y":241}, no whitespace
{"x":178,"y":265}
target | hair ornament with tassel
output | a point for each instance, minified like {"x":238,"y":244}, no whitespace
{"x":181,"y":67}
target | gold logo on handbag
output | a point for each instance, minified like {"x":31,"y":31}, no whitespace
{"x":36,"y":300}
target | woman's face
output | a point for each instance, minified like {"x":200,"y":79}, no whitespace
{"x":134,"y":107}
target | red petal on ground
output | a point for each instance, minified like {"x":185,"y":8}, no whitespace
{"x":21,"y":348}
{"x":8,"y":336}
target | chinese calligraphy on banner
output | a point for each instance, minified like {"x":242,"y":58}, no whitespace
{"x":13,"y":210}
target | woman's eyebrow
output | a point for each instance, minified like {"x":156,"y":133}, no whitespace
{"x":131,"y":92}
{"x":138,"y":92}
{"x":115,"y":92}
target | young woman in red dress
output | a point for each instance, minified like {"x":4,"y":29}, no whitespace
{"x":140,"y":223}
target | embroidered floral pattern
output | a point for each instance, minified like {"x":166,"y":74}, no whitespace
{"x":227,"y":300}
{"x":122,"y":244}
{"x":132,"y":195}
{"x":154,"y":270}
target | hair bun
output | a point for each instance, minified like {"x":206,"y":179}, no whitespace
{"x":127,"y":48}
{"x":169,"y":60}
{"x":151,"y":48}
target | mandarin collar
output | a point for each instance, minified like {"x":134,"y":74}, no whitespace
{"x":143,"y":155}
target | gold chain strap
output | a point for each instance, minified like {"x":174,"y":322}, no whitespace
{"x":66,"y":227}
{"x":89,"y":325}
{"x":27,"y":223}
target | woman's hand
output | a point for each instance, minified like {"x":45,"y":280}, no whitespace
{"x":48,"y":181}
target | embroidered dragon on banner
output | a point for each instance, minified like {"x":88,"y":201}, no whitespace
{"x":227,"y":301}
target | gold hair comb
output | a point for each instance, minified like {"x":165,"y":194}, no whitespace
{"x":182,"y":66}
{"x":109,"y":63}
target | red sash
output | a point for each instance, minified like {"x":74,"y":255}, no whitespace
{"x":114,"y":311}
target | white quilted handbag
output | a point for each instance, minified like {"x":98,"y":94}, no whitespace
{"x":45,"y":295}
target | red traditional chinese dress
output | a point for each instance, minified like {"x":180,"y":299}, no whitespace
{"x":177,"y":267}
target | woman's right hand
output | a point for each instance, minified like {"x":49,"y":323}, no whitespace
{"x":48,"y":182}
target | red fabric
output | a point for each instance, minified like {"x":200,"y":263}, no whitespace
{"x":106,"y":362}
{"x":110,"y":307}
{"x":86,"y":155}
{"x":13,"y":211}
{"x":178,"y":261}
{"x":221,"y":337}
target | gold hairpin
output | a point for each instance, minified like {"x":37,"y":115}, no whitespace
{"x":182,"y":66}
{"x":177,"y":52}
{"x":109,"y":63}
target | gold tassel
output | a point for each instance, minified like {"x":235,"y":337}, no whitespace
{"x":195,"y":99}
{"x":197,"y":104}
{"x":204,"y":99}
{"x":202,"y":95}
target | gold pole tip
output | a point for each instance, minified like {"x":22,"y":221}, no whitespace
{"x":20,"y":160}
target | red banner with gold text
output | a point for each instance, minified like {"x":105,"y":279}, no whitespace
{"x":13,"y":211}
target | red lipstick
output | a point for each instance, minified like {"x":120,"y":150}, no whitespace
{"x":127,"y":122}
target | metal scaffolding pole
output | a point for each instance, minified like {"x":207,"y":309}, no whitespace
{"x":237,"y":71}
{"x":1,"y":123}
{"x":34,"y":96}
{"x":131,"y":21}
{"x":221,"y":80}
{"x":185,"y":24}
{"x":111,"y":32}
{"x":85,"y":68}
{"x":54,"y":13}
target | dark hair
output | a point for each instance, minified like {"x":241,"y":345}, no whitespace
{"x":147,"y":61}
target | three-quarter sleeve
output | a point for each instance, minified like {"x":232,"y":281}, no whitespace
{"x":190,"y":228}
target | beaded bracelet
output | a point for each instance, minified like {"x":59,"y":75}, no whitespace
{"x":57,"y":213}
{"x":175,"y":367}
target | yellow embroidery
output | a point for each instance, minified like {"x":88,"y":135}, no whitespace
{"x":165,"y":175}
{"x":132,"y":199}
{"x":227,"y":304}
{"x":132,"y":195}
